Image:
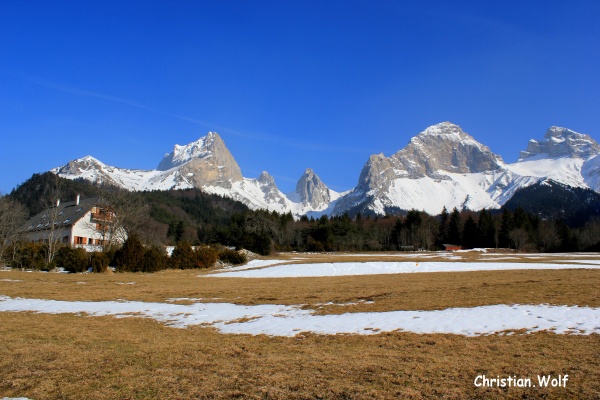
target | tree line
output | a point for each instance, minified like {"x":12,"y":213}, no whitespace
{"x":264,"y":232}
{"x":185,"y":218}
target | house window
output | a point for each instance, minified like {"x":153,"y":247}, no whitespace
{"x":80,"y":240}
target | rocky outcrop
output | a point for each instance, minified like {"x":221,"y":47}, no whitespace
{"x":311,"y":191}
{"x":561,"y":142}
{"x":440,"y":148}
{"x":206,"y":161}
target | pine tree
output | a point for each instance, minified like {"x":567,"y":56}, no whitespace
{"x":443,"y":228}
{"x":487,"y":230}
{"x":130,"y":257}
{"x":155,"y":259}
{"x":454,"y":228}
{"x":470,"y":233}
{"x":506,"y":226}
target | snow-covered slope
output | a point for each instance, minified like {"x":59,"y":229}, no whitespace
{"x":440,"y":167}
{"x":207,"y":164}
{"x":445,"y":167}
{"x":96,"y":171}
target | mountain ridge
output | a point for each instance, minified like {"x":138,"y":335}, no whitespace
{"x":442,"y":166}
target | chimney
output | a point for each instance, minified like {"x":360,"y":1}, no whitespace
{"x":77,"y":200}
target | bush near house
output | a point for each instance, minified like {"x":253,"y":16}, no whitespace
{"x":99,"y":261}
{"x":72,"y":259}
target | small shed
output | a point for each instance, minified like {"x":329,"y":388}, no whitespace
{"x":452,"y":247}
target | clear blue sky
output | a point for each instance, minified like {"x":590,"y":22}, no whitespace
{"x":287,"y":84}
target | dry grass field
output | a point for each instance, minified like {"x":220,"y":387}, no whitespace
{"x":68,"y":356}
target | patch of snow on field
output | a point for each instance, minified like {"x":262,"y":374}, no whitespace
{"x":383,"y":267}
{"x":282,"y":320}
{"x":254,"y":264}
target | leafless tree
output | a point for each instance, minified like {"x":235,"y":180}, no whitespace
{"x":122,"y":214}
{"x":12,"y":217}
{"x":521,"y":240}
{"x":52,"y":221}
{"x":547,"y":236}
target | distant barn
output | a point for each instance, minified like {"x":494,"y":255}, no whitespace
{"x":452,"y":247}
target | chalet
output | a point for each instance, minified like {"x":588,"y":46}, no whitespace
{"x":83,"y":223}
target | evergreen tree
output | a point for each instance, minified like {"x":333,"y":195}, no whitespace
{"x":155,"y":259}
{"x":130,"y":257}
{"x":454,"y":228}
{"x":506,"y":226}
{"x":179,"y":231}
{"x":99,"y":261}
{"x":443,"y":228}
{"x":183,"y":256}
{"x":470,"y":233}
{"x":71,"y":259}
{"x":487,"y":230}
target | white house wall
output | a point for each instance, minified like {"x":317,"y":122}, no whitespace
{"x":84,"y":227}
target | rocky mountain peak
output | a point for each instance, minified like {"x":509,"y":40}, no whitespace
{"x":266,"y":179}
{"x":445,"y":130}
{"x":207,"y":161}
{"x":310,"y":190}
{"x":439,"y":149}
{"x":561,"y":142}
{"x":445,"y":147}
{"x":201,"y":148}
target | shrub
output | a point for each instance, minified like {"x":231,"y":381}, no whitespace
{"x":72,"y":260}
{"x":131,"y":256}
{"x":31,"y":256}
{"x":183,"y":256}
{"x":99,"y":261}
{"x":155,"y":259}
{"x":206,"y":257}
{"x":232,"y":257}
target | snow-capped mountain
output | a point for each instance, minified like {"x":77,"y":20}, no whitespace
{"x":442,"y":166}
{"x":207,"y":164}
{"x":446,"y":167}
{"x":561,"y":142}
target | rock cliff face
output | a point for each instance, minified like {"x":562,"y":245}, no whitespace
{"x":440,"y":148}
{"x":440,"y":167}
{"x":312,"y":192}
{"x":206,"y":161}
{"x":271,"y":192}
{"x":561,"y":142}
{"x":445,"y":167}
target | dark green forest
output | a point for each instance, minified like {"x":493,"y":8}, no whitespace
{"x":544,"y":218}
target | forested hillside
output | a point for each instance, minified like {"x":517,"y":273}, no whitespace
{"x":170,"y":217}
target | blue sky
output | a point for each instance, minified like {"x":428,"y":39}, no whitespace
{"x":287,"y":84}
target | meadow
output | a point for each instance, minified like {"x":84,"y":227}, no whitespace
{"x":75,"y":355}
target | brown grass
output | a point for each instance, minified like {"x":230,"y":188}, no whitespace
{"x":72,"y":357}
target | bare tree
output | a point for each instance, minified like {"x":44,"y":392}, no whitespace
{"x":547,"y":236}
{"x":52,"y":220}
{"x":120,"y":214}
{"x":12,"y":217}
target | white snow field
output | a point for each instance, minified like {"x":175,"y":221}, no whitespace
{"x":281,"y":320}
{"x":286,"y":320}
{"x":384,"y":267}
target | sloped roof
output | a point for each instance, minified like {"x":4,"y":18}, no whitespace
{"x":68,"y":214}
